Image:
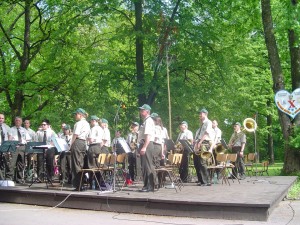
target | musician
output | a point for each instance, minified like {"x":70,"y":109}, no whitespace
{"x":46,"y":135}
{"x":62,"y":130}
{"x":106,"y":136}
{"x":31,"y":132}
{"x":4,"y":132}
{"x":216,"y":135}
{"x":78,"y":145}
{"x":65,"y":156}
{"x":146,"y":148}
{"x":203,"y":142}
{"x":116,"y":146}
{"x":237,"y":143}
{"x":158,"y":153}
{"x":17,"y":133}
{"x":185,"y":134}
{"x":132,"y":142}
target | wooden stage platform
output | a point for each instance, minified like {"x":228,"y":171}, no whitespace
{"x":253,"y":199}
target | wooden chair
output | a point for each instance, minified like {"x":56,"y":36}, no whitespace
{"x":263,"y":169}
{"x":231,"y":159}
{"x":171,"y":170}
{"x":249,"y":163}
{"x":220,"y":166}
{"x":100,"y":162}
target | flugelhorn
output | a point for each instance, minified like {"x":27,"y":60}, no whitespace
{"x":250,"y":125}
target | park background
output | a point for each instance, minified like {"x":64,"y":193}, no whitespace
{"x":228,"y":56}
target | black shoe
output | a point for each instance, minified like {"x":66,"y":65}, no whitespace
{"x":144,"y":190}
{"x":207,"y":184}
{"x":242,"y":177}
{"x":199,"y":184}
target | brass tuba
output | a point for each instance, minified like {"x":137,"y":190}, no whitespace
{"x":250,"y":125}
{"x":219,"y":149}
{"x":203,"y":153}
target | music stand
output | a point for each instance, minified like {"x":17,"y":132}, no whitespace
{"x":187,"y":145}
{"x":170,"y":145}
{"x":41,"y":149}
{"x":6,"y":147}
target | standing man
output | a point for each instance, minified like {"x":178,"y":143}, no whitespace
{"x":133,"y":144}
{"x":18,"y":133}
{"x":185,"y":134}
{"x":203,"y":142}
{"x":237,"y":143}
{"x":106,"y":136}
{"x":4,"y":132}
{"x":31,"y":132}
{"x":78,"y":145}
{"x":46,"y":135}
{"x":145,"y":140}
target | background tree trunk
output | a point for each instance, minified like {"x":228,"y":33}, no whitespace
{"x":291,"y":160}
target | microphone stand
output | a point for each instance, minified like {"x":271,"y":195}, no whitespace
{"x":116,"y":120}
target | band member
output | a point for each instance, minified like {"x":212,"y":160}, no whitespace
{"x":78,"y":145}
{"x":202,"y":143}
{"x":116,"y":146}
{"x":4,"y":132}
{"x":17,"y":133}
{"x":158,"y":142}
{"x":46,"y":135}
{"x":216,"y":136}
{"x":185,"y":134}
{"x":62,"y":130}
{"x":106,"y":136}
{"x":237,"y":143}
{"x":145,"y":140}
{"x":65,"y":157}
{"x":132,"y":142}
{"x":31,"y":132}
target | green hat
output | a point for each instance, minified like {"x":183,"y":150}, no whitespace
{"x":80,"y":110}
{"x":104,"y":120}
{"x":238,"y":123}
{"x":185,"y":123}
{"x":153,"y":115}
{"x":203,"y":111}
{"x":145,"y":107}
{"x":67,"y":127}
{"x":93,"y":117}
{"x":135,"y":123}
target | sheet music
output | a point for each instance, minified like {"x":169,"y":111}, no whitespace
{"x":124,"y":145}
{"x":61,"y":144}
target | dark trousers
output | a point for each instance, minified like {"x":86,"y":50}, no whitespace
{"x":78,"y":150}
{"x":184,"y":166}
{"x":48,"y":158}
{"x":148,"y":168}
{"x":131,"y":165}
{"x":201,"y":169}
{"x":65,"y":166}
{"x":239,"y":165}
{"x":16,"y":164}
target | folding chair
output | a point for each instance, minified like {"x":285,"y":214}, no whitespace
{"x":249,"y":163}
{"x":264,"y":169}
{"x":99,"y":169}
{"x":220,"y":166}
{"x":231,"y":159}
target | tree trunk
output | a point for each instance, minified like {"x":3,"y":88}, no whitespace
{"x":139,"y":51}
{"x":291,"y":160}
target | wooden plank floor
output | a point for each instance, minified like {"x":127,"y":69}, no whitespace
{"x":253,"y":199}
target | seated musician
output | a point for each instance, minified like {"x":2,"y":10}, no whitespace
{"x":46,"y":134}
{"x":17,"y":133}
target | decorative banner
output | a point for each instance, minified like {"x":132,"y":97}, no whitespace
{"x":288,"y":103}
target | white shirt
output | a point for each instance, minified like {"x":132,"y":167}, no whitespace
{"x":32,"y":134}
{"x":50,"y":134}
{"x":24,"y":134}
{"x":147,"y":128}
{"x":185,"y":135}
{"x":82,"y":129}
{"x":106,"y":137}
{"x":6,"y":132}
{"x":96,"y":135}
{"x":206,"y":128}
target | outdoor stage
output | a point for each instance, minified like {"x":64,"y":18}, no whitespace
{"x":253,"y":199}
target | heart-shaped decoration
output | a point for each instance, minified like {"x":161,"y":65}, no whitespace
{"x":287,"y":102}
